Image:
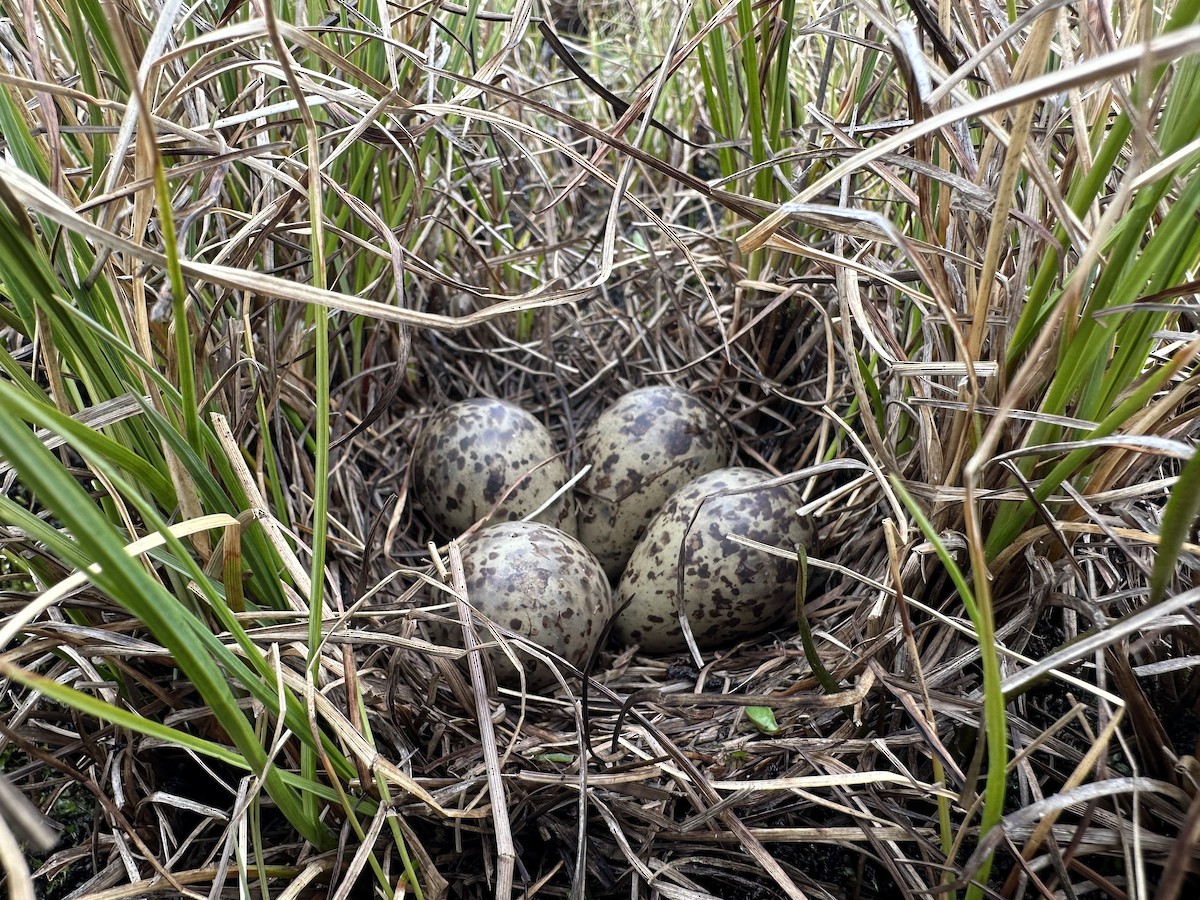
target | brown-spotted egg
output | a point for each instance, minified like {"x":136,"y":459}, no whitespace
{"x":643,"y":448}
{"x":470,"y":454}
{"x":730,"y":591}
{"x":539,"y":582}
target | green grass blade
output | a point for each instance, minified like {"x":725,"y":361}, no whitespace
{"x":995,"y":729}
{"x":1178,"y":517}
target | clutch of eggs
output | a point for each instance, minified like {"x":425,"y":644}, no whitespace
{"x":655,"y":511}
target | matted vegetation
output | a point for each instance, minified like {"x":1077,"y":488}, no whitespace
{"x":934,"y":262}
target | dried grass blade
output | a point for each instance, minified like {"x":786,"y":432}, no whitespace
{"x":505,"y":849}
{"x":1157,"y":50}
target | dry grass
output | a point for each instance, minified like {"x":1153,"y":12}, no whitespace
{"x":489,"y":230}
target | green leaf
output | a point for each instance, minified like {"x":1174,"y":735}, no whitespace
{"x":562,"y":758}
{"x":763,"y":719}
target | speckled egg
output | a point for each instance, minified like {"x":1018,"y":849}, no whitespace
{"x":642,"y":449}
{"x":471,"y":453}
{"x":730,"y":591}
{"x":539,"y":582}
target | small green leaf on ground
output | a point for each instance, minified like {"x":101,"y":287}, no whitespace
{"x":763,"y":719}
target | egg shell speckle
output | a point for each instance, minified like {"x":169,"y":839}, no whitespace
{"x":730,"y":591}
{"x":472,"y":452}
{"x":539,"y":582}
{"x":643,"y":448}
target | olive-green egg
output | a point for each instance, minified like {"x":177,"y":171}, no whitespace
{"x":539,"y":582}
{"x":471,"y":453}
{"x":643,"y":448}
{"x":730,"y":591}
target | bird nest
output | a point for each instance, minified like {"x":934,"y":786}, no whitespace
{"x":824,"y":758}
{"x":842,"y":754}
